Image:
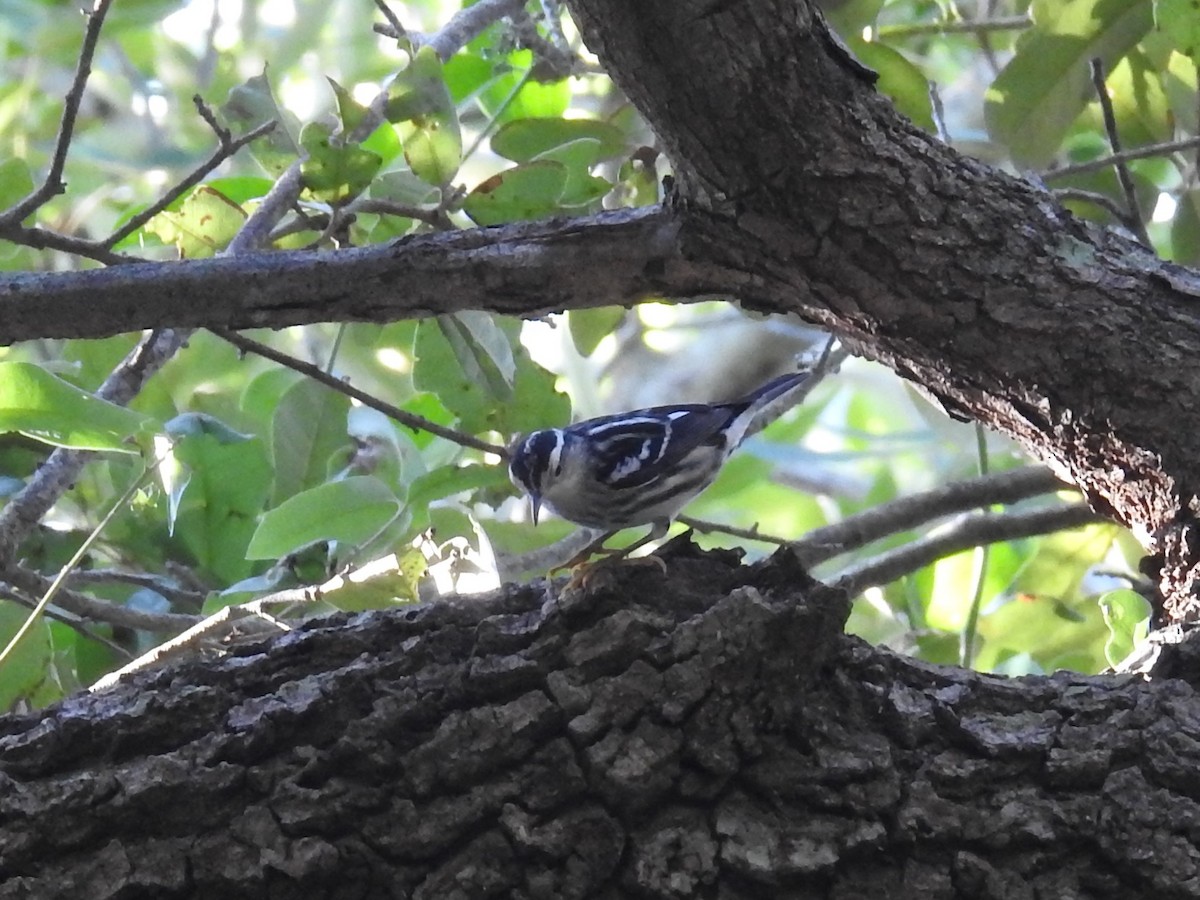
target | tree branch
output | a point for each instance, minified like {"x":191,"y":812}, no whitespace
{"x":522,"y":269}
{"x":972,"y":531}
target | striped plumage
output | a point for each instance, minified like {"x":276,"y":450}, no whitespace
{"x":638,"y":467}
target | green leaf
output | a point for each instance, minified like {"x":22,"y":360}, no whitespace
{"x":420,"y":104}
{"x":350,"y":111}
{"x":223,"y":492}
{"x":23,"y":674}
{"x":577,"y":157}
{"x":482,"y":350}
{"x":438,"y":370}
{"x":1127,"y":617}
{"x":48,"y":409}
{"x":899,"y":79}
{"x":335,"y":174}
{"x":528,"y":191}
{"x":1180,"y":20}
{"x":16,"y":182}
{"x":523,"y":139}
{"x":350,"y":511}
{"x":307,"y":429}
{"x":1185,"y":230}
{"x":532,"y":100}
{"x":445,"y":481}
{"x":378,"y":584}
{"x":1043,"y":89}
{"x":205,"y":223}
{"x":590,"y":326}
{"x":252,"y":103}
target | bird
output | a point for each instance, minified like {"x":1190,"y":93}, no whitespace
{"x":638,"y":467}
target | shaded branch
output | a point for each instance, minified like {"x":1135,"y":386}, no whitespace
{"x":972,"y":531}
{"x":906,"y":513}
{"x":527,"y":269}
{"x":415,"y":422}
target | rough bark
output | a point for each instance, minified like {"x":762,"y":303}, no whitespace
{"x":706,"y":733}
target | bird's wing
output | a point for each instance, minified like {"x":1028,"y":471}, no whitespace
{"x":636,"y":448}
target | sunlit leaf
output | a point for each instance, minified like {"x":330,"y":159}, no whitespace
{"x":205,"y":222}
{"x":41,"y":406}
{"x":1127,"y":617}
{"x":523,"y":139}
{"x":898,"y":79}
{"x":590,"y":326}
{"x":1180,"y":20}
{"x":420,"y":104}
{"x":335,"y":173}
{"x":1043,"y":89}
{"x":528,"y":191}
{"x":350,"y":511}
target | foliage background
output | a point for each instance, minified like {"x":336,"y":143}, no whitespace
{"x":274,"y":480}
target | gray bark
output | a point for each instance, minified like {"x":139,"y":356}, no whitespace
{"x":708,"y":733}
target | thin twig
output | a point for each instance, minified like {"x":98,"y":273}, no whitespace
{"x":403,"y":417}
{"x":975,"y":26}
{"x":41,"y":239}
{"x":60,"y":615}
{"x":86,"y":607}
{"x":1134,"y":215}
{"x":176,"y":595}
{"x":257,"y":230}
{"x":71,"y":564}
{"x":397,"y":31}
{"x":1094,"y":165}
{"x":906,"y":513}
{"x":225,"y":149}
{"x":705,"y":526}
{"x":970,"y":532}
{"x":468,"y":23}
{"x":53,"y":183}
{"x":1102,"y":200}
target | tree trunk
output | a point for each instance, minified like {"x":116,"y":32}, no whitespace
{"x":710,"y":732}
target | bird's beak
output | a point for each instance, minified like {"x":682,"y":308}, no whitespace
{"x":535,"y":503}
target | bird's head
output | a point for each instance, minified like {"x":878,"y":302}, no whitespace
{"x":535,"y":462}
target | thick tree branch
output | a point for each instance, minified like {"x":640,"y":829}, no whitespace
{"x":524,"y":269}
{"x":710,"y":733}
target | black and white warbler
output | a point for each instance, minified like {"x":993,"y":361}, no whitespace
{"x":638,"y":467}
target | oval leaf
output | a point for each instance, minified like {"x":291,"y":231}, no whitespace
{"x":45,"y":408}
{"x":350,"y":511}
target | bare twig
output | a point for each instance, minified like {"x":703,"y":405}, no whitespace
{"x":956,"y":26}
{"x":42,"y":239}
{"x":468,"y":23}
{"x":1102,"y":200}
{"x":225,"y":149}
{"x":53,"y":183}
{"x":32,"y":584}
{"x":394,"y":28}
{"x":1146,"y":152}
{"x":176,"y":595}
{"x":72,"y":621}
{"x":1133,"y":214}
{"x":274,"y":206}
{"x":970,"y":532}
{"x":906,"y":513}
{"x":317,"y":374}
